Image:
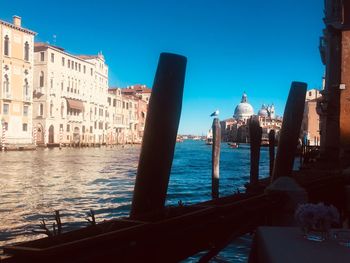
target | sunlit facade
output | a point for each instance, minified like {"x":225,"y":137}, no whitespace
{"x":16,"y":78}
{"x":70,"y":97}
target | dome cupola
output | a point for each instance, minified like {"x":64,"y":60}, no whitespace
{"x":243,"y":110}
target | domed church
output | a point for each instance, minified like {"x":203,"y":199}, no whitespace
{"x":236,"y":128}
{"x":243,"y":110}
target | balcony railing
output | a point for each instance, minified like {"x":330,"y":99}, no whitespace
{"x":74,"y":118}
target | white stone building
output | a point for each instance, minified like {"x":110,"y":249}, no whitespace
{"x":70,"y":96}
{"x":237,"y":128}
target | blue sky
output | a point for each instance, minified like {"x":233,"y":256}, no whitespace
{"x":232,"y":46}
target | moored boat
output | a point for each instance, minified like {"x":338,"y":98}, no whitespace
{"x":233,"y":144}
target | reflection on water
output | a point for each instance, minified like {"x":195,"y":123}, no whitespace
{"x":34,"y":184}
{"x":72,"y":180}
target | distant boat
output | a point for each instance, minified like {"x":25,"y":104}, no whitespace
{"x":209,"y":139}
{"x":196,"y":138}
{"x":233,"y":145}
{"x":264,"y":143}
{"x":179,"y":139}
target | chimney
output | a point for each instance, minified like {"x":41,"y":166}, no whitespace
{"x":17,"y":21}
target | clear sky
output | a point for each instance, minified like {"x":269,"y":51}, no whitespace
{"x":232,"y":45}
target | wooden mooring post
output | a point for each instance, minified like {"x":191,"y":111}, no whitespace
{"x":215,"y":157}
{"x":289,"y":134}
{"x":272,"y":138}
{"x":159,"y":139}
{"x":255,"y":133}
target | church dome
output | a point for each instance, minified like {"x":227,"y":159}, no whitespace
{"x":263,"y":111}
{"x":243,"y":110}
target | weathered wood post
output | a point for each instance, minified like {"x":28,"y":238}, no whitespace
{"x":215,"y":157}
{"x":255,"y":133}
{"x":272,"y":137}
{"x":288,"y":139}
{"x":159,"y":139}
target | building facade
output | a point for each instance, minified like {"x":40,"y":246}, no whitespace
{"x":70,"y":97}
{"x":127,"y":109}
{"x":16,"y":78}
{"x":236,"y":129}
{"x":310,"y":127}
{"x":334,"y":108}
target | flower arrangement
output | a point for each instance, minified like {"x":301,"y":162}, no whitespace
{"x":317,"y":217}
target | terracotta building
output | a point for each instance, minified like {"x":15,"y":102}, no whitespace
{"x":310,"y":127}
{"x":334,"y":108}
{"x":127,"y":109}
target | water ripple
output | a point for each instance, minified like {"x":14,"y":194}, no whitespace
{"x":35,"y":184}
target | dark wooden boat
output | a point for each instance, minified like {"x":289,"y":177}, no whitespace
{"x":170,"y":236}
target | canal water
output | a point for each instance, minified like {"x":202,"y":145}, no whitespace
{"x":34,"y":184}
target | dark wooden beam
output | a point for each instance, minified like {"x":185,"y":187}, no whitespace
{"x":159,"y":136}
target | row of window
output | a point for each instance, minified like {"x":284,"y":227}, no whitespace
{"x":7,"y":88}
{"x":70,"y":63}
{"x":7,"y":48}
{"x":72,"y":85}
{"x":100,"y":127}
{"x":6,"y":109}
{"x":118,"y":104}
{"x":24,"y":126}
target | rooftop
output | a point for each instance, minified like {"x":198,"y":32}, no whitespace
{"x":2,"y":22}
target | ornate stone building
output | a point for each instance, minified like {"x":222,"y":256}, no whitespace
{"x":16,"y":78}
{"x":127,"y":113}
{"x":236,"y":129}
{"x":70,"y":96}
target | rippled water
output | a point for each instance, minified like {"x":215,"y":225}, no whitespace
{"x":72,"y":180}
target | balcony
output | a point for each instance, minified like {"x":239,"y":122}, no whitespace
{"x":75,"y":118}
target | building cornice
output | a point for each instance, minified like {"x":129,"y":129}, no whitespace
{"x":38,"y":47}
{"x":2,"y":22}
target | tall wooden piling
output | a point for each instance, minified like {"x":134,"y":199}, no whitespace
{"x":215,"y":169}
{"x":159,"y":138}
{"x":290,"y":131}
{"x":255,"y":133}
{"x":272,"y":137}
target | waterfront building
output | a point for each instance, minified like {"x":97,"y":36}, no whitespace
{"x":236,"y":129}
{"x":70,"y":96}
{"x":334,"y":107}
{"x":16,"y":78}
{"x":127,"y":109}
{"x":310,"y":127}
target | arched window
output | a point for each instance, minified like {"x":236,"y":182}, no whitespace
{"x":6,"y":46}
{"x":6,"y":85}
{"x":26,"y":89}
{"x":26,"y":51}
{"x":51,"y":108}
{"x":41,"y":79}
{"x":62,"y":109}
